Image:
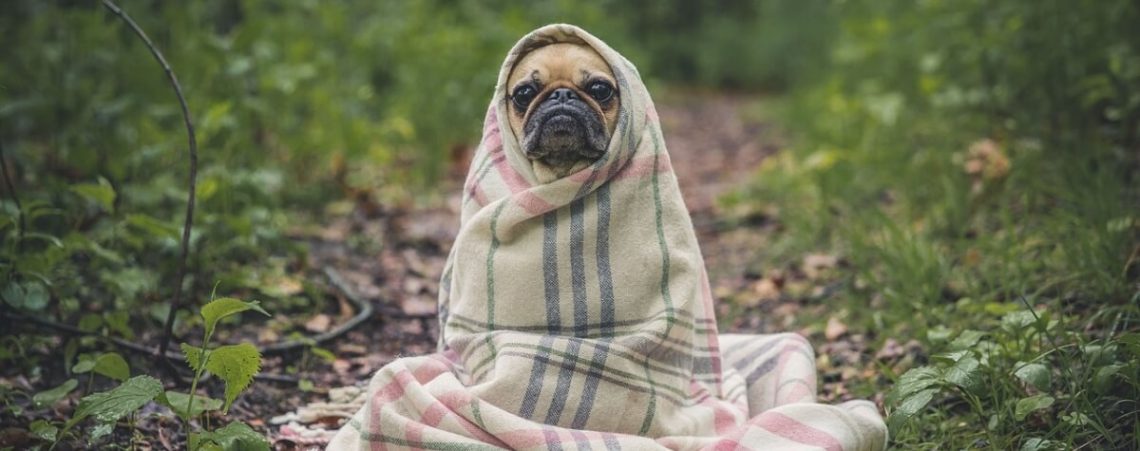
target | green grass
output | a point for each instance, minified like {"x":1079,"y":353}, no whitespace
{"x":1032,"y":269}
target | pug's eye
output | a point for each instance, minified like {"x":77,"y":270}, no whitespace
{"x":600,"y":91}
{"x":522,"y":96}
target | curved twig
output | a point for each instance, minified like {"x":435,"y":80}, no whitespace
{"x":176,"y":304}
{"x":15,"y":198}
{"x":364,"y":311}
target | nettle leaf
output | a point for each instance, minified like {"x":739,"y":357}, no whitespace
{"x":965,"y":373}
{"x":1016,"y":321}
{"x":107,"y":407}
{"x":101,"y":430}
{"x":1034,"y":374}
{"x":909,"y":407}
{"x":194,"y":356}
{"x":967,"y":339}
{"x":113,"y":366}
{"x":236,"y":436}
{"x":178,"y":401}
{"x":51,"y":396}
{"x":236,"y":365}
{"x":221,"y":308}
{"x":1025,"y":406}
{"x":913,"y":381}
{"x":951,"y":357}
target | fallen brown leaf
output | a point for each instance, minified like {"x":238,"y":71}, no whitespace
{"x":834,"y":329}
{"x":319,"y":323}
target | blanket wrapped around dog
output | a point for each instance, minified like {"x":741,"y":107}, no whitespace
{"x":576,"y":313}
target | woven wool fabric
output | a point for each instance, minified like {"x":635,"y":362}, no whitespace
{"x":576,"y":313}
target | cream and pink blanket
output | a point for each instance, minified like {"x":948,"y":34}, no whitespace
{"x":576,"y":314}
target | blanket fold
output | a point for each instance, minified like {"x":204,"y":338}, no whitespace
{"x":576,"y":313}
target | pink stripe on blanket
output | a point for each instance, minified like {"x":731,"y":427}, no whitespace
{"x":789,"y":352}
{"x":459,"y":400}
{"x":532,"y":203}
{"x":392,"y":391}
{"x":529,"y":438}
{"x":637,"y":168}
{"x":791,"y":429}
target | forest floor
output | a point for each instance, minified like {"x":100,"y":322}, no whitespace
{"x":392,"y":257}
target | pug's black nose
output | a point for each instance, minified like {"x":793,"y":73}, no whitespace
{"x":563,"y":95}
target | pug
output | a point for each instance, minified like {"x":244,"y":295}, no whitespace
{"x":563,"y":103}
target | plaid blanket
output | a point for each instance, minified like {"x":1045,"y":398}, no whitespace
{"x":576,"y":313}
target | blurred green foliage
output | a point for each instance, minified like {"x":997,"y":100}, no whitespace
{"x":296,"y":103}
{"x":971,"y":159}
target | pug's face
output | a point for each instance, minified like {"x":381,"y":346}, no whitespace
{"x":563,"y":104}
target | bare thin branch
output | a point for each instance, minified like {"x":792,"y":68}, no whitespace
{"x":15,"y":197}
{"x":176,"y":304}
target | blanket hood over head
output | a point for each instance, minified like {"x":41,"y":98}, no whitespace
{"x":577,"y":312}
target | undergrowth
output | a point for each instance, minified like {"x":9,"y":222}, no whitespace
{"x":976,"y":164}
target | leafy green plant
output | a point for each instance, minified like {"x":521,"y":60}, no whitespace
{"x":235,"y":365}
{"x":1028,"y":392}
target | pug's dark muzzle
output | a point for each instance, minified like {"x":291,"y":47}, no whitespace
{"x":564,"y":129}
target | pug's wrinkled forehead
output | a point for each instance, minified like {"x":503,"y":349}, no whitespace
{"x":559,"y":61}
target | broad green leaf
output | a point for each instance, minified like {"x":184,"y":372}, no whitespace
{"x":101,"y":430}
{"x":178,"y":401}
{"x":1034,"y":374}
{"x":1016,"y":321}
{"x":194,"y":357}
{"x":221,"y":308}
{"x":966,"y":373}
{"x":90,"y":322}
{"x":951,"y":357}
{"x":113,"y":366}
{"x":51,"y":396}
{"x":1105,"y":379}
{"x":236,"y":365}
{"x":966,"y":340}
{"x":938,"y":334}
{"x":1040,"y":444}
{"x":914,"y":381}
{"x":1025,"y":406}
{"x":1131,"y":341}
{"x":101,"y":193}
{"x":44,"y":430}
{"x":107,"y":407}
{"x":910,"y":406}
{"x":154,"y":226}
{"x":85,"y":364}
{"x":119,"y":321}
{"x":236,"y":436}
{"x":30,"y":295}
